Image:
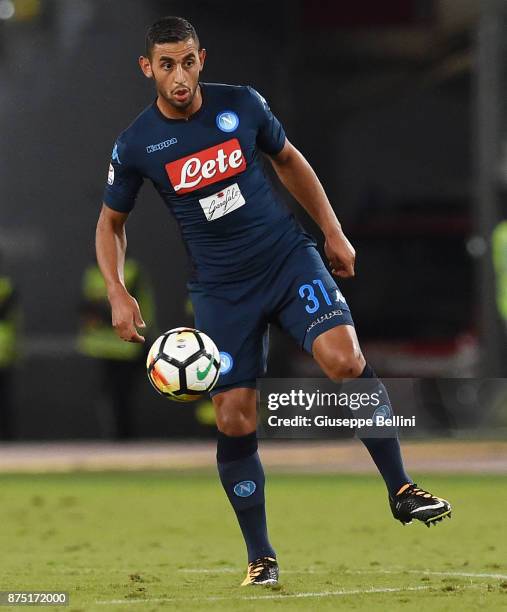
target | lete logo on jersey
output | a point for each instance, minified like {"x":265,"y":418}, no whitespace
{"x":206,"y":167}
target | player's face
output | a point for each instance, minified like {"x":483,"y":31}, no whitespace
{"x":175,"y":67}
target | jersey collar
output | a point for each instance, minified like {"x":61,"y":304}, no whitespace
{"x":191,"y":118}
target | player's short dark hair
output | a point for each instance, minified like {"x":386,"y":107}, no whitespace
{"x":169,"y":30}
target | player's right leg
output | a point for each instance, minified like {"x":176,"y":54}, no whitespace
{"x":233,"y":317}
{"x":242,"y":477}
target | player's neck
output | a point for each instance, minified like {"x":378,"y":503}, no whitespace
{"x":172,"y":113}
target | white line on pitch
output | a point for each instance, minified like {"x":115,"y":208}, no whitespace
{"x":340,"y":593}
{"x":232,"y":570}
{"x":432,"y":573}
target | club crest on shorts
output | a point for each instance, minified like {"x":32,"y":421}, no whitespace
{"x":245,"y":488}
{"x":227,"y":121}
{"x":226,"y":362}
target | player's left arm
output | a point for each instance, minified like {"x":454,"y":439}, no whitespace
{"x":300,"y":180}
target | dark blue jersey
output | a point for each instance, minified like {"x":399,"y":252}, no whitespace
{"x":209,"y":172}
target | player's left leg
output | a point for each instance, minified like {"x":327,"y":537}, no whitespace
{"x":313,"y":310}
{"x":338,"y":353}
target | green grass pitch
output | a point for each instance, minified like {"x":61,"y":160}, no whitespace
{"x":166,"y":541}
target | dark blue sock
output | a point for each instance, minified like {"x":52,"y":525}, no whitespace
{"x":242,"y":477}
{"x":386,"y":452}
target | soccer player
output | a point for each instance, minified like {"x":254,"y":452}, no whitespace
{"x":201,"y":144}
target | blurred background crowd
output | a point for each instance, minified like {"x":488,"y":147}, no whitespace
{"x":399,"y":107}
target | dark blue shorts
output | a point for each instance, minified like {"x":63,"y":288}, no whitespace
{"x":296,"y":293}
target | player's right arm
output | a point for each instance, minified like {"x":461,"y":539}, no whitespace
{"x":111,"y":246}
{"x":123,"y":184}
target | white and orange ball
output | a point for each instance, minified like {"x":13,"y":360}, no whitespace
{"x":183,"y":364}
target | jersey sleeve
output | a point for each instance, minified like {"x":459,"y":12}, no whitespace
{"x":270,"y":135}
{"x":123,"y":180}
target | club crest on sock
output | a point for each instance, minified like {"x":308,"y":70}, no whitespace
{"x":245,"y":488}
{"x":382,"y":411}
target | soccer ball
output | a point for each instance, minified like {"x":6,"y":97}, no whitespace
{"x":183,"y":364}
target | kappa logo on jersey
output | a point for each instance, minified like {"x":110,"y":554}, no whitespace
{"x":114,"y":156}
{"x":227,"y":121}
{"x":161,"y":145}
{"x":206,"y":167}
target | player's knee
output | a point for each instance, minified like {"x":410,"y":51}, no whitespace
{"x":344,"y":364}
{"x":235,"y":425}
{"x":234,"y":417}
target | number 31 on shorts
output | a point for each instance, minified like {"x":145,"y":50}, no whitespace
{"x":308,"y":292}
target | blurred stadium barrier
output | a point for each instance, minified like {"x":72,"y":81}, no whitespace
{"x":464,"y":456}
